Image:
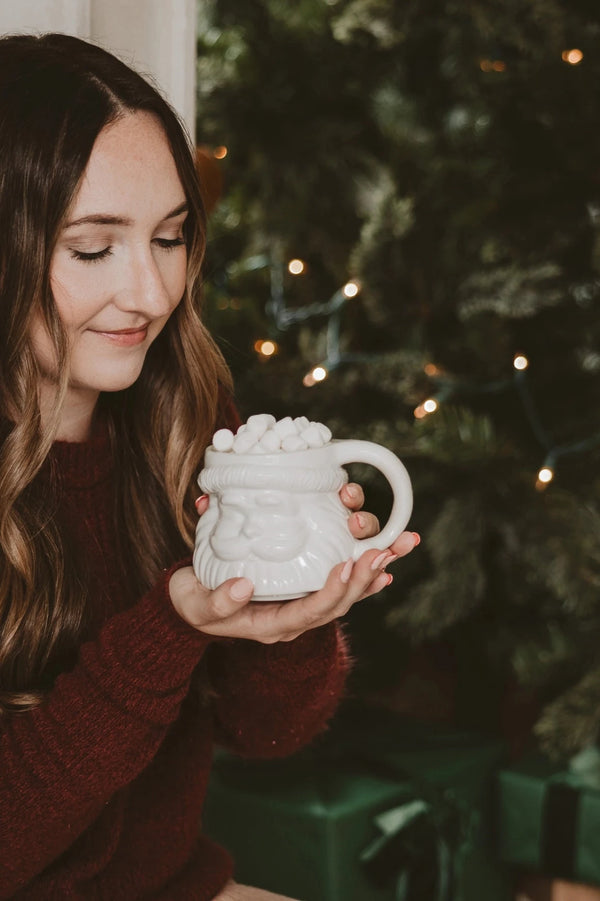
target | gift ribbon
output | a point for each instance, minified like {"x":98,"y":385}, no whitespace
{"x":408,"y":832}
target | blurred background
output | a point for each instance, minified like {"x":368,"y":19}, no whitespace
{"x":404,"y":243}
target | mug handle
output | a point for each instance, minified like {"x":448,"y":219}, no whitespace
{"x":353,"y":450}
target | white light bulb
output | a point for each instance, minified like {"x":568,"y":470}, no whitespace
{"x":351,"y":289}
{"x":319,"y":373}
{"x":520,"y":362}
{"x":545,"y":474}
{"x":296,"y":267}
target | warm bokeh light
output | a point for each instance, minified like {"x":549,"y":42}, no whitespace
{"x":545,"y":474}
{"x":492,"y":65}
{"x":296,"y":267}
{"x":520,"y":362}
{"x":573,"y":57}
{"x":265,"y":348}
{"x":431,"y":369}
{"x":319,"y":373}
{"x":351,"y":289}
{"x":428,"y":406}
{"x":220,"y":153}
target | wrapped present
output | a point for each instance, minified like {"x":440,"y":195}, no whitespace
{"x":549,"y":816}
{"x":377,"y":810}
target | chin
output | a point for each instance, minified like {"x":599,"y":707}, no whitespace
{"x":116,"y":379}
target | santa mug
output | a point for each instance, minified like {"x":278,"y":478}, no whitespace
{"x":274,"y":513}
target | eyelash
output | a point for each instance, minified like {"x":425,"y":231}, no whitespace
{"x":163,"y":243}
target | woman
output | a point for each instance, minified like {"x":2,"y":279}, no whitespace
{"x":118,"y":669}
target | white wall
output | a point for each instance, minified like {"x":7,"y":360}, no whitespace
{"x":158,"y":37}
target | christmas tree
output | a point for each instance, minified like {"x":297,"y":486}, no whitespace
{"x":407,"y":247}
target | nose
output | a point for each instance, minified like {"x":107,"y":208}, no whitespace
{"x":144,"y":289}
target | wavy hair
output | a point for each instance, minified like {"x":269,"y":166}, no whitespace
{"x":57,"y":93}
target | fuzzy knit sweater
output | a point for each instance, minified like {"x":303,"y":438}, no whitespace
{"x":102,"y":786}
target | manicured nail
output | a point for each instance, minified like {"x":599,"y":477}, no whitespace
{"x":347,"y":570}
{"x":241,"y":590}
{"x":417,"y":538}
{"x":382,"y":561}
{"x":199,"y":500}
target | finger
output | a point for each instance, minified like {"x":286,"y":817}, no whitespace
{"x":381,"y":581}
{"x":201,"y":504}
{"x":229,"y":598}
{"x":352,"y":496}
{"x":405,"y":543}
{"x":363,"y":525}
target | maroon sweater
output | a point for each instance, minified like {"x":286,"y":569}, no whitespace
{"x":101,"y":787}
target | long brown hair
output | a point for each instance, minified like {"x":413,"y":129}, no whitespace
{"x":56,"y":94}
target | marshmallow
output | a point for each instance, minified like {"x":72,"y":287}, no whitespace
{"x":312,"y":436}
{"x":285,"y":427}
{"x":223,"y":440}
{"x":260,"y":422}
{"x":263,"y":434}
{"x":270,"y":442}
{"x":293,"y":443}
{"x":325,"y":432}
{"x":242,"y":443}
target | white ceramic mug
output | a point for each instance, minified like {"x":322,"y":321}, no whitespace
{"x":278,"y":519}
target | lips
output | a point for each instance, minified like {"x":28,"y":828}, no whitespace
{"x":126,"y":337}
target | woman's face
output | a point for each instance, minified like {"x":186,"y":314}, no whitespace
{"x":119,"y":268}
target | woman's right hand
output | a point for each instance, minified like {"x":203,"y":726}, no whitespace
{"x":227,"y":611}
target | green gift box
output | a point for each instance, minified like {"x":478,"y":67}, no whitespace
{"x":549,"y":816}
{"x":378,"y":809}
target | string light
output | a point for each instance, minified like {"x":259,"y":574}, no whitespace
{"x":428,"y":406}
{"x":573,"y":57}
{"x":492,"y":65}
{"x":220,"y":153}
{"x":265,"y":348}
{"x":284,"y":317}
{"x":296,"y":267}
{"x":544,"y":477}
{"x":317,"y":374}
{"x":520,"y":362}
{"x":351,"y":289}
{"x":448,"y":388}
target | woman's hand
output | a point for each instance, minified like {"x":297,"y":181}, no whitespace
{"x":226,"y":611}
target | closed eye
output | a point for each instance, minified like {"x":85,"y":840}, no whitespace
{"x":91,"y":257}
{"x":169,"y":243}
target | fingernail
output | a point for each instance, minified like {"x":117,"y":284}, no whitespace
{"x":378,"y":562}
{"x":347,"y":570}
{"x":417,"y":538}
{"x":390,"y":579}
{"x":198,"y":500}
{"x":351,"y":491}
{"x":360,"y":520}
{"x":241,"y":590}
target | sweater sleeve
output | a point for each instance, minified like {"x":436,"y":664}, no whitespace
{"x":98,"y":728}
{"x":270,"y":700}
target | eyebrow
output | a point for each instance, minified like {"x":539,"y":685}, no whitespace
{"x":105,"y":219}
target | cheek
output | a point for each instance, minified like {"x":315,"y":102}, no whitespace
{"x":77,"y":296}
{"x":178,"y":282}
